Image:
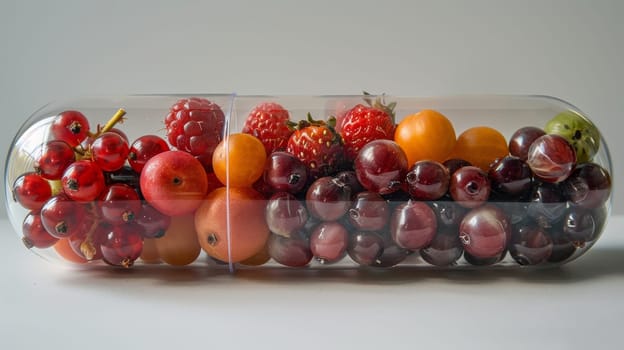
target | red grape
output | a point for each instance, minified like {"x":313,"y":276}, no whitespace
{"x":427,"y":180}
{"x":328,"y":199}
{"x":521,"y":140}
{"x":510,"y":176}
{"x":328,"y":242}
{"x":369,"y":212}
{"x":470,"y":186}
{"x":380,"y":166}
{"x":285,"y":172}
{"x":454,"y":164}
{"x":589,"y":186}
{"x":285,"y":214}
{"x":530,"y":245}
{"x":293,"y":251}
{"x":547,"y":204}
{"x":552,"y":158}
{"x":485,"y":231}
{"x":413,"y":225}
{"x":445,"y":248}
{"x":365,"y":247}
{"x":154,"y":223}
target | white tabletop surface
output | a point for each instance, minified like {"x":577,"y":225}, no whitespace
{"x":573,"y":307}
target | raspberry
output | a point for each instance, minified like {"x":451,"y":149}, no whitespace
{"x":268,"y":121}
{"x":195,"y":125}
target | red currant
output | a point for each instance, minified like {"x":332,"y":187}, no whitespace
{"x":109,"y":151}
{"x":31,"y":191}
{"x":63,"y":217}
{"x":35,"y":235}
{"x":123,"y":245}
{"x":87,"y":244}
{"x":144,"y":148}
{"x":83,"y":181}
{"x":71,"y":127}
{"x":55,"y":157}
{"x":119,"y":204}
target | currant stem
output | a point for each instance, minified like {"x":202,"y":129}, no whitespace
{"x":116,"y":118}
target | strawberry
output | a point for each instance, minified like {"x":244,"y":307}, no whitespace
{"x":365,"y":123}
{"x":268,"y":121}
{"x":317,"y":145}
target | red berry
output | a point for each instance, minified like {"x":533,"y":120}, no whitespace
{"x":363,"y":124}
{"x":268,"y":122}
{"x":63,"y":217}
{"x":83,"y":181}
{"x":87,"y":243}
{"x":195,"y":125}
{"x":31,"y":191}
{"x":71,"y":127}
{"x":55,"y":157}
{"x":109,"y":151}
{"x":144,"y":148}
{"x":123,"y":245}
{"x":154,"y":223}
{"x":318,"y":146}
{"x":119,"y":204}
{"x":35,"y":235}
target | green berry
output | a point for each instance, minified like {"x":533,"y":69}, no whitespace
{"x":580,"y":132}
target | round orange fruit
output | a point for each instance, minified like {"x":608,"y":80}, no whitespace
{"x":244,"y":155}
{"x":426,"y":135}
{"x":480,"y":145}
{"x":248,"y":230}
{"x":179,"y":245}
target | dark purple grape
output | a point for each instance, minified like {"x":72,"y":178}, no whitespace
{"x":510,"y":176}
{"x":562,"y":248}
{"x":293,"y":251}
{"x":427,"y":180}
{"x":380,"y":166}
{"x":579,"y":226}
{"x":328,"y":199}
{"x":365,"y":247}
{"x":369,"y":212}
{"x":154,"y":223}
{"x":349,"y":178}
{"x":392,"y":254}
{"x":413,"y":225}
{"x":473,"y":260}
{"x":547,"y":204}
{"x":551,"y":158}
{"x":515,"y":211}
{"x":284,"y":172}
{"x":521,"y":140}
{"x":485,"y":231}
{"x":328,"y":242}
{"x":448,"y":212}
{"x":530,"y":245}
{"x":470,"y":186}
{"x":444,"y":250}
{"x":455,"y":163}
{"x":125,"y":175}
{"x":589,"y":186}
{"x":285,"y":214}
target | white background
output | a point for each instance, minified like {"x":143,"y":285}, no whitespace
{"x":52,"y":50}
